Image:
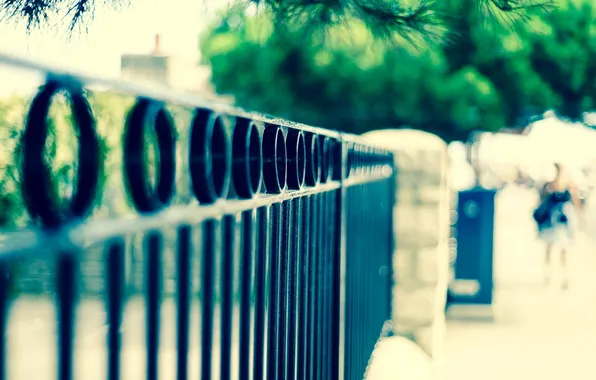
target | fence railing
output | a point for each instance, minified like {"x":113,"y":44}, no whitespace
{"x":186,"y":240}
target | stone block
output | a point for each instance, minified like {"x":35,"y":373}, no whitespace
{"x":430,"y":195}
{"x":427,"y":268}
{"x":428,"y":221}
{"x":434,"y":162}
{"x":403,"y":265}
{"x":406,"y":222}
{"x":414,"y":305}
{"x":405,"y":160}
{"x":406,"y":195}
{"x":420,"y":229}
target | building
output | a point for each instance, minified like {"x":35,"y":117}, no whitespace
{"x":180,"y":72}
{"x":152,"y":67}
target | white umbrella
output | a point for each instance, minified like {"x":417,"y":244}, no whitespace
{"x":553,"y":140}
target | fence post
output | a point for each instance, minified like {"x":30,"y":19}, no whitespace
{"x":421,"y":233}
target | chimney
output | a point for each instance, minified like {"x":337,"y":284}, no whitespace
{"x":156,"y":46}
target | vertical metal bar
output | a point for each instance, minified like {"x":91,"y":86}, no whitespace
{"x":293,"y":259}
{"x":333,"y":287}
{"x":303,"y":296}
{"x":273,"y":330}
{"x":315,"y":286}
{"x":284,"y":265}
{"x":320,"y":289}
{"x":312,"y":296}
{"x":66,"y":289}
{"x":183,"y":283}
{"x":369,"y":327}
{"x":4,"y":294}
{"x":347,"y":346}
{"x":342,"y":219}
{"x":325,"y":286}
{"x":153,"y":301}
{"x":207,"y":286}
{"x":334,"y":283}
{"x":227,"y":289}
{"x":393,"y":183}
{"x":337,"y":307}
{"x":261,"y":290}
{"x":356,"y":282}
{"x":115,"y":283}
{"x":360,"y":284}
{"x":246,"y":288}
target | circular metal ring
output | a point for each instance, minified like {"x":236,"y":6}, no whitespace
{"x":40,"y":196}
{"x":369,"y":159}
{"x":326,"y":158}
{"x":351,"y":160}
{"x":331,"y":156}
{"x":246,"y":158}
{"x":209,"y":157}
{"x":274,"y":159}
{"x":144,"y":114}
{"x":375,"y":158}
{"x":336,"y":160}
{"x":313,"y":159}
{"x":356,"y":157}
{"x":296,"y":153}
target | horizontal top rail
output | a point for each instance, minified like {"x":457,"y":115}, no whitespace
{"x":154,"y":91}
{"x":235,"y":160}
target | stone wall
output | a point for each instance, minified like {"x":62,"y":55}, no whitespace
{"x":421,"y":257}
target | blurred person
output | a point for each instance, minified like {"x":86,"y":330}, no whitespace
{"x":556,"y":214}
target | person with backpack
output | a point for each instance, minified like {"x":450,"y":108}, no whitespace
{"x":555,"y":216}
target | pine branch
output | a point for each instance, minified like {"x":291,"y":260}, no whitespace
{"x":384,"y":18}
{"x":39,"y":13}
{"x":34,"y":12}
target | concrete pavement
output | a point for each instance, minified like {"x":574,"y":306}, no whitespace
{"x":538,"y":331}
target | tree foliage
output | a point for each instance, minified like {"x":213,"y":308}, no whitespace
{"x":563,"y":53}
{"x":493,"y":76}
{"x":353,"y":86}
{"x":382,"y":17}
{"x":543,"y":63}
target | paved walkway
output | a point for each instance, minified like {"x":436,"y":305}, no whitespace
{"x":538,"y":332}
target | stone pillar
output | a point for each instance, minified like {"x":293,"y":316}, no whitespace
{"x":421,"y":225}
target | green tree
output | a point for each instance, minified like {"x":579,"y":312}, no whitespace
{"x":544,"y":63}
{"x":500,"y":52}
{"x":352,"y":86}
{"x":562,"y":51}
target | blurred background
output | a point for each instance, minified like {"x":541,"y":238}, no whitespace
{"x":510,"y":90}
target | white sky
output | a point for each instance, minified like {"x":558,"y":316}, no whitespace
{"x":111,"y":33}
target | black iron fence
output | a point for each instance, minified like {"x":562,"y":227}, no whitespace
{"x":185,"y":240}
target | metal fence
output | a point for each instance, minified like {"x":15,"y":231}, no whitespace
{"x":204,"y":242}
